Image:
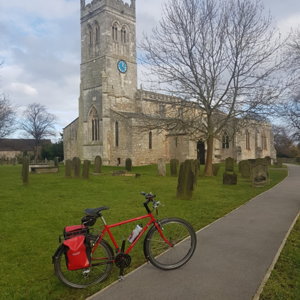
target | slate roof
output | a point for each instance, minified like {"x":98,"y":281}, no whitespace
{"x":19,"y":144}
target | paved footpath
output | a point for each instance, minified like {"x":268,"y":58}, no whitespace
{"x":232,"y":255}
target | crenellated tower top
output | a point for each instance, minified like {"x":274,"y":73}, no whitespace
{"x":117,"y":5}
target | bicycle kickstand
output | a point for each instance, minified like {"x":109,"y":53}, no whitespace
{"x":121,"y":274}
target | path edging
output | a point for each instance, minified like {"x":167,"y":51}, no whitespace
{"x":270,"y":269}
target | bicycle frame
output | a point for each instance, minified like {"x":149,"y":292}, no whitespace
{"x":113,"y":240}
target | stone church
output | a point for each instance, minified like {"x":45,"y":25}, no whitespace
{"x":112,"y":109}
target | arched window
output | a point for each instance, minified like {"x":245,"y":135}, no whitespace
{"x":264,"y":141}
{"x":90,"y":36}
{"x":97,"y":34}
{"x":247,"y":140}
{"x":94,"y":125}
{"x":115,"y":32}
{"x":225,"y":141}
{"x":117,"y":133}
{"x":124,"y":35}
{"x":150,"y":140}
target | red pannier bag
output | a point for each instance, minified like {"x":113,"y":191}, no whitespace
{"x":74,"y":230}
{"x":77,"y":253}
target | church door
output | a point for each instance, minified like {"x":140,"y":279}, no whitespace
{"x":201,"y":152}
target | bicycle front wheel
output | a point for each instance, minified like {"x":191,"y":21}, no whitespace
{"x":101,"y":266}
{"x":171,"y":247}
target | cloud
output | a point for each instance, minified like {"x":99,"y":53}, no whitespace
{"x":22,"y":88}
{"x":290,"y":23}
{"x":48,"y":10}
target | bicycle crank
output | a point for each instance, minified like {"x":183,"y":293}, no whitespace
{"x":122,"y":260}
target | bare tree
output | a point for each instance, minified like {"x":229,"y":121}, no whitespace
{"x":284,"y":144}
{"x":222,"y":58}
{"x":7,"y":117}
{"x":291,"y":109}
{"x":38,"y":123}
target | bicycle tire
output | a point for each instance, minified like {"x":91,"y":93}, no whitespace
{"x":89,"y":276}
{"x":160,"y":254}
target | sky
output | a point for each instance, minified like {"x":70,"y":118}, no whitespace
{"x":40,"y":49}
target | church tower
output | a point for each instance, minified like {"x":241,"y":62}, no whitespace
{"x":108,"y":72}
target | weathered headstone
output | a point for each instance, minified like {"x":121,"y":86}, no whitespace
{"x":216,"y":168}
{"x":161,"y":167}
{"x":229,"y":177}
{"x":259,"y":175}
{"x":76,"y":166}
{"x":185,"y":185}
{"x":128,"y":164}
{"x":229,"y":164}
{"x":195,"y":169}
{"x":174,"y":166}
{"x":68,"y":168}
{"x":244,"y":166}
{"x":98,"y":164}
{"x":86,"y":169}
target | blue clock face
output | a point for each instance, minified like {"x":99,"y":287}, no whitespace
{"x":122,"y":66}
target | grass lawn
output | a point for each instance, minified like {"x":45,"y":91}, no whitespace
{"x":33,"y":216}
{"x":284,"y":282}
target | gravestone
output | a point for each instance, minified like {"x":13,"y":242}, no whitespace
{"x":98,"y":164}
{"x":244,"y":166}
{"x":195,"y":169}
{"x":174,"y":166}
{"x":260,"y":175}
{"x":128,"y":164}
{"x":186,"y":180}
{"x":229,"y":177}
{"x":229,"y":164}
{"x":68,"y":168}
{"x":161,"y":167}
{"x":76,"y":166}
{"x":216,"y":168}
{"x":86,"y":169}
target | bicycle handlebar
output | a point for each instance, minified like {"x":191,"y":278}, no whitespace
{"x":149,"y":198}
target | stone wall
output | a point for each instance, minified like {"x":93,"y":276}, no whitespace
{"x":70,"y":134}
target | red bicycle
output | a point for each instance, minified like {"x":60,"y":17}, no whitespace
{"x":169,"y":244}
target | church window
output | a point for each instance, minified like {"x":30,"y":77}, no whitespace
{"x":115,"y":32}
{"x":117,"y":133}
{"x":124,"y":35}
{"x":247,"y":140}
{"x":150,"y":140}
{"x":97,"y":34}
{"x":225,"y":141}
{"x":90,"y":37}
{"x":94,"y":125}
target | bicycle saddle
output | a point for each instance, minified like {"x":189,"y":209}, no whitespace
{"x":95,"y":211}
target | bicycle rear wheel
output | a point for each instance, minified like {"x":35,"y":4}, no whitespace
{"x":174,"y":248}
{"x":101,"y":266}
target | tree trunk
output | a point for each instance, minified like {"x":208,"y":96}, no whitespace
{"x":209,"y":157}
{"x":36,"y":153}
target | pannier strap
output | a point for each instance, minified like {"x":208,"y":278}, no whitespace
{"x":95,"y":211}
